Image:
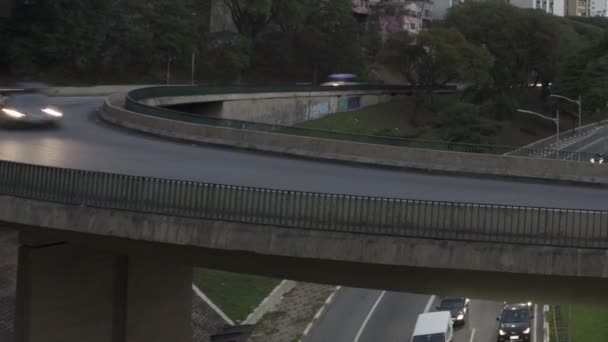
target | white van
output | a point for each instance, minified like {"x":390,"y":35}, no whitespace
{"x":434,"y":327}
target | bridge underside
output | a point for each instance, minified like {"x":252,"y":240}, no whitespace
{"x":490,"y":284}
{"x":70,"y":293}
{"x":87,"y":271}
{"x":75,"y":286}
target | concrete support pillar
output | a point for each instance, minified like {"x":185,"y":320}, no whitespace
{"x":67,"y":294}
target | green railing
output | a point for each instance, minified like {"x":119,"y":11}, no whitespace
{"x":134,"y":97}
{"x":307,"y":210}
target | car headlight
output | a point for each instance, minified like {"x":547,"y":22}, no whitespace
{"x":527,"y":331}
{"x":460,"y":316}
{"x":51,"y":111}
{"x":13,"y":113}
{"x":501,"y":332}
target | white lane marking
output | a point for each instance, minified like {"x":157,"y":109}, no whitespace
{"x":215,"y":308}
{"x":428,"y":305}
{"x":369,"y":315}
{"x":472,"y":335}
{"x":534,"y":328}
{"x":319,"y":313}
{"x":593,"y":143}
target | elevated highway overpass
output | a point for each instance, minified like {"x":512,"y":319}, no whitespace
{"x":117,"y":211}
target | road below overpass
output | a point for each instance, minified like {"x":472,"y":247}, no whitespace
{"x":362,"y":315}
{"x":84,"y":142}
{"x":594,"y":143}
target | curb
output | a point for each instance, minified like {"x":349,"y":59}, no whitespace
{"x":546,"y":332}
{"x":261,"y":309}
{"x":319,"y":313}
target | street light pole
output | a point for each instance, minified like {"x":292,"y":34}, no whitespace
{"x":580,"y":111}
{"x":555,"y":120}
{"x":579,"y":103}
{"x":192,"y":69}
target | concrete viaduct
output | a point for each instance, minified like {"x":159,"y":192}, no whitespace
{"x":110,"y":231}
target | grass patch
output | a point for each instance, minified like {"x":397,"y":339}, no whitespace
{"x":549,"y":318}
{"x":387,"y":119}
{"x":589,"y":324}
{"x":236,"y":294}
{"x":395,"y":119}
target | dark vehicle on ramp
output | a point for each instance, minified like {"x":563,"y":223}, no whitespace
{"x":515,"y":323}
{"x":458,"y":308}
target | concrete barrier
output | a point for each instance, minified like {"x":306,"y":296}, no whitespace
{"x":409,"y":158}
{"x":281,"y":108}
{"x":482,"y":270}
{"x":100,"y":90}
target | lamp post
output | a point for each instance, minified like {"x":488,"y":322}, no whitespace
{"x":579,"y":103}
{"x":555,"y":120}
{"x":192,"y":65}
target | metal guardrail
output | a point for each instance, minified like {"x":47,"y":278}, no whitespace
{"x":561,"y":324}
{"x":134,"y":97}
{"x":307,"y":210}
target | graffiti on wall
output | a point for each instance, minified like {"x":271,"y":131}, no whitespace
{"x":342,"y":105}
{"x":318,"y":110}
{"x":354,"y":103}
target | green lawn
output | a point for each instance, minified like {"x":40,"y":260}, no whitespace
{"x":388,"y":119}
{"x":236,"y":294}
{"x":394,"y":119}
{"x":589,"y":324}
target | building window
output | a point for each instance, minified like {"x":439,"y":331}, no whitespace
{"x":413,"y":27}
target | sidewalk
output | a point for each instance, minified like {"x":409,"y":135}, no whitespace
{"x":288,"y":319}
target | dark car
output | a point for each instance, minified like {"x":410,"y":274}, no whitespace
{"x":515,"y":323}
{"x":458,"y":308}
{"x":599,"y":158}
{"x":28,"y":108}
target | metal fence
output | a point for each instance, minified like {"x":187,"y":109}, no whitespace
{"x":134,"y":97}
{"x":306,"y":210}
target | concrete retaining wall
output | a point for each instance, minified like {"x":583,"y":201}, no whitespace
{"x":278,"y":108}
{"x":420,"y":159}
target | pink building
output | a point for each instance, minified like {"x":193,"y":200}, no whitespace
{"x":403,"y":15}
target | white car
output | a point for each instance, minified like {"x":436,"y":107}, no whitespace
{"x":22,"y":109}
{"x":338,"y":80}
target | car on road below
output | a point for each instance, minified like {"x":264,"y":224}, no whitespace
{"x":515,"y":323}
{"x":458,"y":308}
{"x":433,"y":327}
{"x":27,"y":109}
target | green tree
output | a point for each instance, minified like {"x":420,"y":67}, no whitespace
{"x":89,"y":36}
{"x":250,"y":17}
{"x":525,"y":48}
{"x":227,"y":55}
{"x":323,"y":38}
{"x":400,"y":53}
{"x":449,"y":57}
{"x":463,"y":122}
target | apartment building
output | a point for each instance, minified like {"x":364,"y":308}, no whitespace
{"x":555,"y":7}
{"x":578,"y":8}
{"x":598,"y":8}
{"x":441,"y":7}
{"x":402,"y":15}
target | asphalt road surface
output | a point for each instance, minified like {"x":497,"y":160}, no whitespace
{"x":84,"y":142}
{"x":595,"y":143}
{"x":361,"y":315}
